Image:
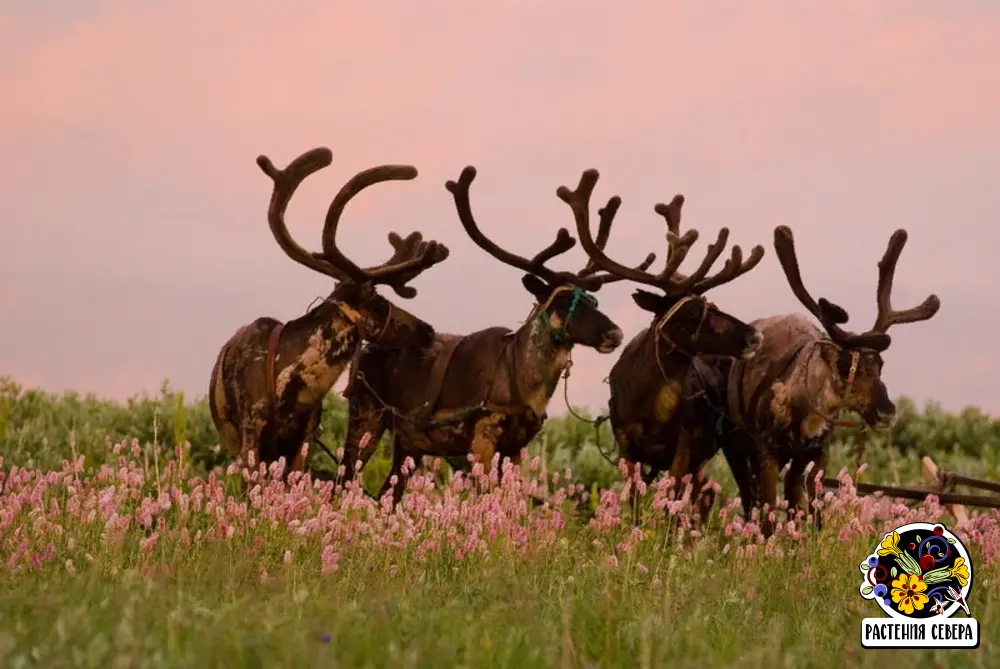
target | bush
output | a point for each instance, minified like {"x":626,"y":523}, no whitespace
{"x":41,"y":429}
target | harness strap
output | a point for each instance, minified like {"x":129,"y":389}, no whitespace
{"x":270,"y":371}
{"x":734,"y":394}
{"x":445,"y":346}
{"x":855,"y":359}
{"x":355,"y":361}
{"x":774,"y":372}
{"x":659,"y":334}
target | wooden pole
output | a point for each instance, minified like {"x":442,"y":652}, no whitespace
{"x":929,"y":469}
{"x":920,"y":493}
{"x":960,"y":479}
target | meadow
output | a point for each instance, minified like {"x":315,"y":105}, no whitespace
{"x":128,"y":539}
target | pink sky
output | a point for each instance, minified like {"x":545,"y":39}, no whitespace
{"x":135,"y":239}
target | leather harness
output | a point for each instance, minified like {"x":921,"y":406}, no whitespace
{"x":740,"y":412}
{"x":449,"y":344}
{"x":272,"y":374}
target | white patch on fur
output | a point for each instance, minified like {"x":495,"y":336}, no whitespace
{"x":312,"y":367}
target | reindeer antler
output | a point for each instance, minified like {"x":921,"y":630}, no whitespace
{"x":536,"y":265}
{"x":286,"y":181}
{"x":697,"y":283}
{"x":831,"y":315}
{"x":606,"y":216}
{"x":668,"y":280}
{"x":412,"y":246}
{"x":412,"y":255}
{"x":887,"y":316}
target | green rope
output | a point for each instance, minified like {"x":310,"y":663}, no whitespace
{"x":559,"y":335}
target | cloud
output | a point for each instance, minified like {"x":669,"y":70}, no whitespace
{"x":135,"y":231}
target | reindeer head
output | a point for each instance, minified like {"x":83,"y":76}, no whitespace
{"x":376,"y":318}
{"x":566,"y":306}
{"x":681,"y":315}
{"x":856,"y":359}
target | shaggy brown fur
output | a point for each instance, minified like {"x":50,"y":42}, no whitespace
{"x":777,"y":410}
{"x":646,"y":380}
{"x":485,"y":393}
{"x":269,"y":380}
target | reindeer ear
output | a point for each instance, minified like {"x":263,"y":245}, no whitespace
{"x":834,"y":312}
{"x":649,"y":301}
{"x":536,"y":286}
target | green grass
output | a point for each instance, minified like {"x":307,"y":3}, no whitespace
{"x":562,"y":608}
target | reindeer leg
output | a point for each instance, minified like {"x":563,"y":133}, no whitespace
{"x":680,"y":466}
{"x":742,"y":461}
{"x":515,"y":460}
{"x":704,"y":499}
{"x":769,"y":474}
{"x":301,"y":460}
{"x":697,"y":457}
{"x":399,"y":487}
{"x":251,"y":428}
{"x":795,"y":492}
{"x":365,"y":417}
{"x":822,"y":462}
{"x":484,"y":440}
{"x":633,"y":497}
{"x":231,"y":438}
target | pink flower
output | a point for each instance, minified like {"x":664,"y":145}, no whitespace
{"x":329,"y":559}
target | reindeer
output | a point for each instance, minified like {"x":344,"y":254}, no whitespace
{"x":646,"y":381}
{"x":270,"y":378}
{"x":777,"y":410}
{"x":486,"y":392}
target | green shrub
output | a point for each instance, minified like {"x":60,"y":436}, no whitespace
{"x":42,"y":429}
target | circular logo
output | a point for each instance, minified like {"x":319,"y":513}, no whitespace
{"x":918,"y":571}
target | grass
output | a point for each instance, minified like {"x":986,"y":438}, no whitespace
{"x":563,"y":608}
{"x":121,"y":567}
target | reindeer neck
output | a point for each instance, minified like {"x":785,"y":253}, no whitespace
{"x":672,"y":363}
{"x":822,"y":384}
{"x":540,"y":357}
{"x":672,"y":366}
{"x":818,"y":396}
{"x":314,"y":350}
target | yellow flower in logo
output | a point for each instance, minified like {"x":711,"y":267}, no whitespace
{"x":960,"y":570}
{"x":889,"y":545}
{"x":908,"y":593}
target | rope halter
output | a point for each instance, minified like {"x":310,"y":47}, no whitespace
{"x":544,"y":319}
